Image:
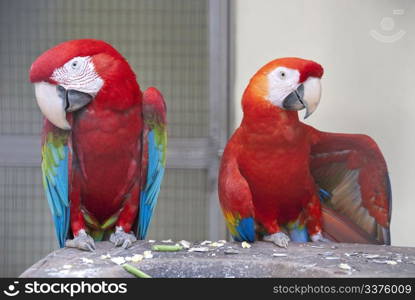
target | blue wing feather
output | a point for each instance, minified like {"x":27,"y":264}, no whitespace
{"x":298,"y":232}
{"x":246,"y":230}
{"x":55,"y":181}
{"x":149,"y":194}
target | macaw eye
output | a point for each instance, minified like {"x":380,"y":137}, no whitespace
{"x":282,"y":75}
{"x":74,"y":64}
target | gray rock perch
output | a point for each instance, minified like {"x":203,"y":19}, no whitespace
{"x":231,"y":260}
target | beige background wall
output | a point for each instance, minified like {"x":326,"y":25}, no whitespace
{"x":369,"y":81}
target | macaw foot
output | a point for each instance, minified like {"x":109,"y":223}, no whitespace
{"x":81,"y":241}
{"x":318,"y":237}
{"x":280,"y":239}
{"x":121,"y":238}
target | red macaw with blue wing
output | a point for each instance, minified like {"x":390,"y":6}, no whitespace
{"x":283,"y":180}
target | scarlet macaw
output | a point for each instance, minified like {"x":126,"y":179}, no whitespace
{"x":279,"y":176}
{"x":103,"y":144}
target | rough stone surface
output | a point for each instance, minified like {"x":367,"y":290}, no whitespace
{"x":260,"y":260}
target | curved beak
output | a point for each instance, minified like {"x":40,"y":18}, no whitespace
{"x":54,"y":101}
{"x":307,"y":95}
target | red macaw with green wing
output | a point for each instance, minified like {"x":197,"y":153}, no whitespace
{"x":103,"y":144}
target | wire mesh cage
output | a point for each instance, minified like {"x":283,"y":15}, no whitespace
{"x":167,"y":44}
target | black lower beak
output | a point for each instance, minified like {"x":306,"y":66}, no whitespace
{"x":294,"y":101}
{"x":73,"y":99}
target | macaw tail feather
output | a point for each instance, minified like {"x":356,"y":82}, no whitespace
{"x":99,"y":231}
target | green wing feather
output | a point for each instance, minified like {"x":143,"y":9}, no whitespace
{"x":154,"y":156}
{"x":55,"y":170}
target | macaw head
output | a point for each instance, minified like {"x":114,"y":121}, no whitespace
{"x":289,"y":84}
{"x":72,"y":74}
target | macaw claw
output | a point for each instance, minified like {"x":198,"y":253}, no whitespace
{"x":279,"y":238}
{"x":318,"y":237}
{"x":123,"y":239}
{"x":82,"y":241}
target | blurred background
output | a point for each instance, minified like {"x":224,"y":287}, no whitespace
{"x":201,"y":54}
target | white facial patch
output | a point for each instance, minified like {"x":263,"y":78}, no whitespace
{"x":281,"y":82}
{"x":79,"y":74}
